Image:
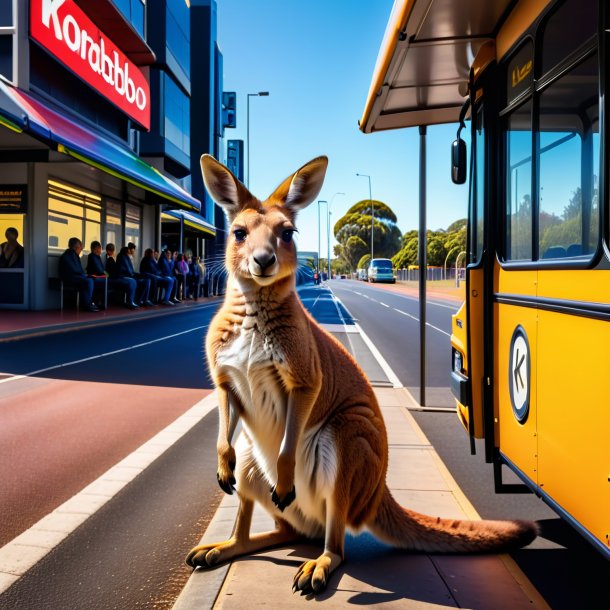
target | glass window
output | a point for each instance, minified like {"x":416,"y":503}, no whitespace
{"x":6,"y":14}
{"x":569,"y":164}
{"x":72,"y":213}
{"x":569,"y":27}
{"x":113,"y":224}
{"x":133,"y":11}
{"x":177,"y":116}
{"x":6,"y":56}
{"x":179,"y":34}
{"x":477,"y":193}
{"x":133,"y":224}
{"x":12,"y":252}
{"x":518,"y":239}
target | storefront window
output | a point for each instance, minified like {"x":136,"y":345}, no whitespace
{"x":72,"y":213}
{"x":113,"y":223}
{"x":12,"y":252}
{"x":178,"y":34}
{"x":133,"y":224}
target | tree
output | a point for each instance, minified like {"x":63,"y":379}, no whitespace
{"x":357,"y":223}
{"x":364,"y":262}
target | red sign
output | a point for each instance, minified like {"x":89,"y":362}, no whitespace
{"x":65,"y":31}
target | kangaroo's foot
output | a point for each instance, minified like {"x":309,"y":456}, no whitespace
{"x":210,"y":555}
{"x":283,"y":501}
{"x":312,"y":576}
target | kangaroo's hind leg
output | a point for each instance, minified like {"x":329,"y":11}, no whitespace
{"x":250,"y":486}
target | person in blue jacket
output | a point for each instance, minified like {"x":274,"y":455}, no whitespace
{"x":124,"y":268}
{"x":149,"y":268}
{"x":166,"y":266}
{"x":126,"y":284}
{"x":194,"y":277}
{"x":71,"y":272}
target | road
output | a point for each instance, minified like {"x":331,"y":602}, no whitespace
{"x":90,"y":398}
{"x":567,"y":571}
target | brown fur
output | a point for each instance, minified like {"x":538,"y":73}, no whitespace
{"x":313,"y":430}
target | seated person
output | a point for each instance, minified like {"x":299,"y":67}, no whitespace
{"x":166,"y":266}
{"x":95,"y":268}
{"x":124,"y":268}
{"x":71,"y":272}
{"x":11,"y":251}
{"x":150,"y":269}
{"x":194,"y":277}
{"x":127,"y":284}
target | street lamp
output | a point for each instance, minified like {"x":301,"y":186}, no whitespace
{"x":249,"y":95}
{"x":319,"y":202}
{"x":372,"y":211}
{"x":328,"y":231}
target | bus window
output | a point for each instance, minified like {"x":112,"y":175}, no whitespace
{"x":518,"y":227}
{"x":567,"y":29}
{"x":569,"y":164}
{"x":477,"y":192}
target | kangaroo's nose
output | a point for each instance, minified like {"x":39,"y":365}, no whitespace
{"x":264,"y":259}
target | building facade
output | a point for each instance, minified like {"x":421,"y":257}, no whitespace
{"x":95,"y":111}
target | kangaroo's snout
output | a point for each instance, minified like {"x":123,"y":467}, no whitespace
{"x":264,"y":259}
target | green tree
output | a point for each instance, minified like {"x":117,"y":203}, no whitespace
{"x":364,"y":262}
{"x":357,"y":223}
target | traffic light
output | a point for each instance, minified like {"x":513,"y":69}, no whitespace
{"x":229,"y":109}
{"x":235,"y":158}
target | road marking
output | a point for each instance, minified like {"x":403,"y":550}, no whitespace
{"x":402,"y":296}
{"x":112,"y":353}
{"x":390,"y":374}
{"x":384,"y":304}
{"x":404,"y":313}
{"x":26,"y":550}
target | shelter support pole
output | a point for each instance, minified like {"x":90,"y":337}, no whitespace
{"x":423,"y":265}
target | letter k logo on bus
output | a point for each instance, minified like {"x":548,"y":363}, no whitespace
{"x":519,"y":374}
{"x":49,"y":11}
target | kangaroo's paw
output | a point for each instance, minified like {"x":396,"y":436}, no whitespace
{"x":286,"y":500}
{"x":209,"y":555}
{"x":312,"y":576}
{"x":225,"y":476}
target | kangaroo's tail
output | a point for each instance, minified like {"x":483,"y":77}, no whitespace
{"x":407,"y":529}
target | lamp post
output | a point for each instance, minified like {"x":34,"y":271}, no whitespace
{"x":319,"y":202}
{"x":328,"y":231}
{"x":372,"y":212}
{"x":249,"y":95}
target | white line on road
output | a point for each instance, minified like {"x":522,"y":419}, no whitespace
{"x":391,"y":375}
{"x":403,"y":296}
{"x":112,"y":353}
{"x":384,"y":304}
{"x":26,"y":550}
{"x":404,"y":313}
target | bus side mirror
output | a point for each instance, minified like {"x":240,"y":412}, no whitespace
{"x":458,"y":161}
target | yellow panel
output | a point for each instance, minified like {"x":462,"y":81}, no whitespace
{"x":515,"y":282}
{"x":573,"y":416}
{"x":516,"y":440}
{"x":476,"y":343}
{"x":583,"y":285}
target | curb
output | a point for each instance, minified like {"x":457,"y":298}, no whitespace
{"x":53,"y":329}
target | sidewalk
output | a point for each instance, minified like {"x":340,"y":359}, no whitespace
{"x":16,"y":325}
{"x":373,"y":574}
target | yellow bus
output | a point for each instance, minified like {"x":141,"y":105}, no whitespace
{"x":531,"y":343}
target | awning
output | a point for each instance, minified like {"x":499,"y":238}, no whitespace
{"x":21,"y":112}
{"x":422,"y":70}
{"x":193,"y":221}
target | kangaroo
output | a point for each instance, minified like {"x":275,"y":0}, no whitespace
{"x":314,"y":449}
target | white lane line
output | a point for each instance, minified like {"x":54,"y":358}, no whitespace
{"x":384,"y":304}
{"x":27,"y":549}
{"x":104,"y":355}
{"x":404,"y":313}
{"x":391,"y":375}
{"x":336,"y":301}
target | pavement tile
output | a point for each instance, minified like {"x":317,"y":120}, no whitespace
{"x":414,"y":468}
{"x":430,"y":502}
{"x":85,"y":504}
{"x":398,"y":432}
{"x":39,"y":537}
{"x":104,"y":487}
{"x":61,"y":522}
{"x":122,"y":473}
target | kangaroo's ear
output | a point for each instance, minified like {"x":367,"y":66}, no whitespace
{"x":224,"y":188}
{"x":300,"y":189}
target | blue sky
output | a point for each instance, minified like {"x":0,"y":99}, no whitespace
{"x":316,"y":59}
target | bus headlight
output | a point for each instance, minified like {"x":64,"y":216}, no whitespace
{"x":457,"y":361}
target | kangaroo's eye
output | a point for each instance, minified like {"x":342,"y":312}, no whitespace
{"x":287,"y":235}
{"x":240,"y":235}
